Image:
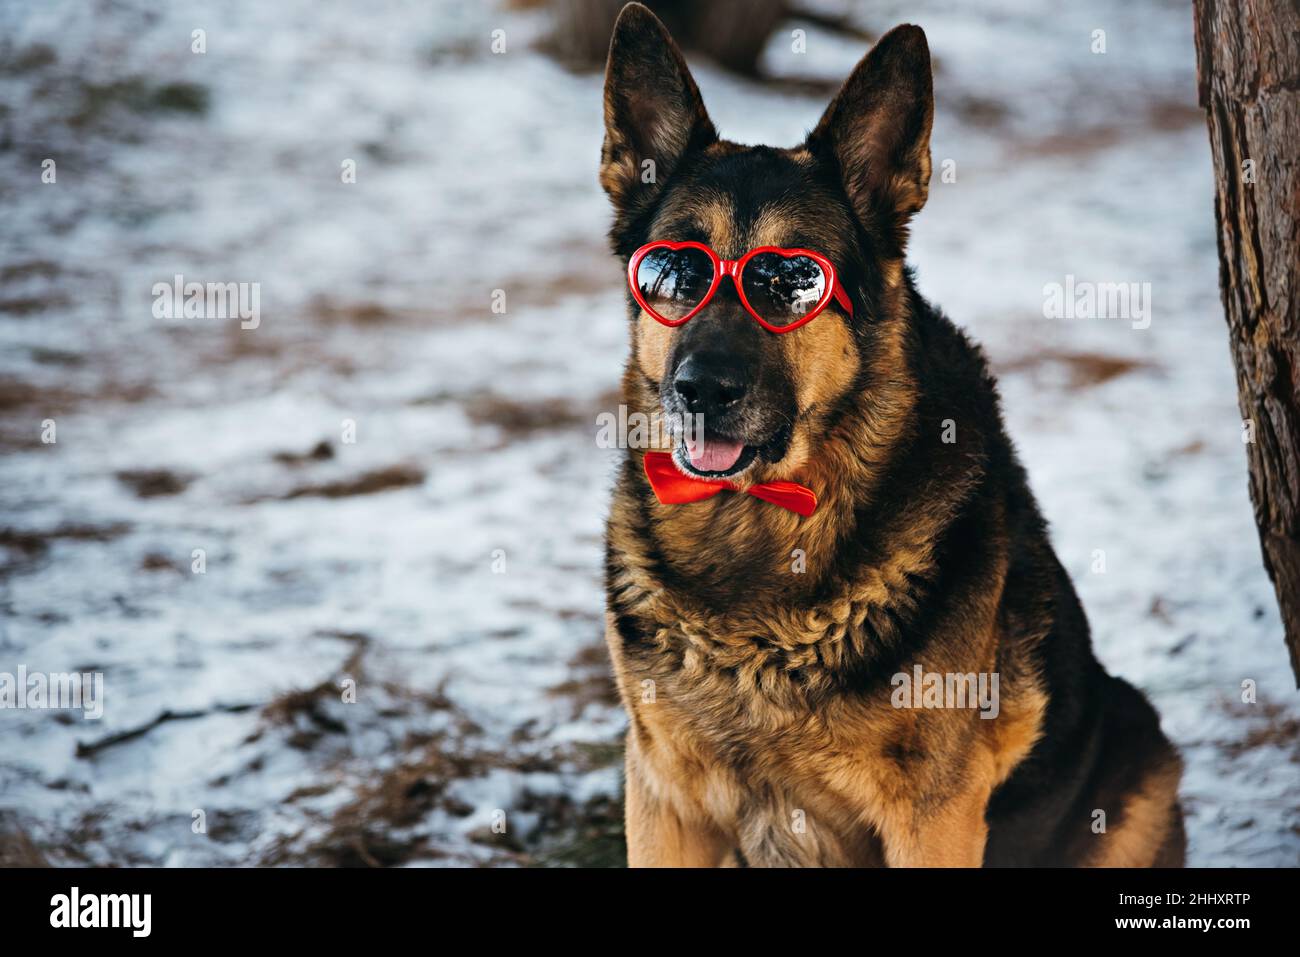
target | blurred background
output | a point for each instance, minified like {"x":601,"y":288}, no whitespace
{"x":447,"y":562}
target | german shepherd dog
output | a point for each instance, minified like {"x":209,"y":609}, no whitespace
{"x":760,"y":652}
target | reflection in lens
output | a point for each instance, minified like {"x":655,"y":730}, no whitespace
{"x":673,"y":281}
{"x":783,"y":290}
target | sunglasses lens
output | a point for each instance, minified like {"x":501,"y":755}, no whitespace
{"x":783,"y":289}
{"x":674,"y":281}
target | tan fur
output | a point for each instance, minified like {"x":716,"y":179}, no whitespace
{"x":843,"y":776}
{"x":1138,"y":837}
{"x":652,"y":342}
{"x":822,"y":357}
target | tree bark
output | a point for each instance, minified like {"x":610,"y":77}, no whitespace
{"x":731,"y":32}
{"x":1248,"y":63}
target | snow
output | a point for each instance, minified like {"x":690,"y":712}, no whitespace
{"x":475,"y":173}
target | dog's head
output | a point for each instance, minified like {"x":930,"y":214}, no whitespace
{"x":765,"y":398}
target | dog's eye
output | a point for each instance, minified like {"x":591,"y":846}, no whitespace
{"x":782,"y":289}
{"x":674,"y":281}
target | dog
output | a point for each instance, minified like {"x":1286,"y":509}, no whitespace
{"x":850,"y":516}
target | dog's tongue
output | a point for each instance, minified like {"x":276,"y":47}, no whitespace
{"x":713,"y":455}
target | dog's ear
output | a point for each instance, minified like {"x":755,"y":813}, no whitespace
{"x":878,"y":131}
{"x":653,"y":110}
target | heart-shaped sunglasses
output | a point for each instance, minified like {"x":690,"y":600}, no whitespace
{"x":781,"y":288}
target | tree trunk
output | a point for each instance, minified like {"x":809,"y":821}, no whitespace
{"x":1248,"y":61}
{"x":731,"y":32}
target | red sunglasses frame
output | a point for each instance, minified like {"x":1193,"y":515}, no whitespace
{"x":734,"y":268}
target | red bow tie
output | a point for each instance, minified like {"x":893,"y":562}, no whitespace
{"x":671,"y":487}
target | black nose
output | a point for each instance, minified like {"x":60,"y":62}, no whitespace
{"x":710,"y":383}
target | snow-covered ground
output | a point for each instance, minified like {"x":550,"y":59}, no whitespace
{"x":447,"y":561}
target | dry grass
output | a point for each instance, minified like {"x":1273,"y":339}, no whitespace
{"x":153,"y":483}
{"x":368,"y":483}
{"x":1084,"y":369}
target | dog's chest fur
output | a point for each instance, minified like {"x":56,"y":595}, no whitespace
{"x":794,"y":768}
